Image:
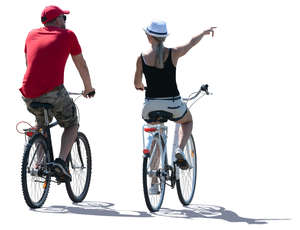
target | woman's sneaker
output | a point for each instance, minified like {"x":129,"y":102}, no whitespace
{"x":61,"y":171}
{"x":181,"y":162}
{"x":154,"y":189}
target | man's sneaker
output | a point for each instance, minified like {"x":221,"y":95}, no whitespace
{"x":181,"y":162}
{"x":61,"y":171}
{"x":154,"y":189}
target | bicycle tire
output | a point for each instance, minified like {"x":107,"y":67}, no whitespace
{"x":186,"y":181}
{"x":79,"y":163}
{"x":153,"y":202}
{"x":31,"y":180}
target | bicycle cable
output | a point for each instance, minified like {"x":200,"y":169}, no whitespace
{"x":77,"y":109}
{"x":77,"y":97}
{"x":196,"y":94}
{"x":24,"y":130}
{"x":195,"y":101}
{"x":193,"y":96}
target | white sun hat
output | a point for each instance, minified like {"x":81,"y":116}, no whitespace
{"x":157,"y":29}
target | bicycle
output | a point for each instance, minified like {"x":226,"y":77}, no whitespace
{"x":156,"y":168}
{"x":37,"y":162}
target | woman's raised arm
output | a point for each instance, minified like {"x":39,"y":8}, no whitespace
{"x":182,"y":50}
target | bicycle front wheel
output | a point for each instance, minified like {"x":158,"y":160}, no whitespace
{"x":154,"y":175}
{"x":186,"y":179}
{"x":35,"y":183}
{"x":79,"y":163}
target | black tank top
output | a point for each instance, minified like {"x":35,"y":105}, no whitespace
{"x":161,"y":82}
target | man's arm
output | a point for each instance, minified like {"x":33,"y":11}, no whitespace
{"x":84,"y":73}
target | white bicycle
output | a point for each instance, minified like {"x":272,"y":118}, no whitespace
{"x":156,"y":168}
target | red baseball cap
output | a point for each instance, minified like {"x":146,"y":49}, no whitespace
{"x":52,"y":12}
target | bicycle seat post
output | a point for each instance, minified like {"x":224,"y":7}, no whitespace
{"x":46,"y":117}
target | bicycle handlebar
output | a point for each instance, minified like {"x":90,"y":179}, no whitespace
{"x":90,"y":94}
{"x":203,"y":88}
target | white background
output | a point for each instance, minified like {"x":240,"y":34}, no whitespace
{"x":246,"y":133}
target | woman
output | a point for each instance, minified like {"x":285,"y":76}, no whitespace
{"x":159,"y":67}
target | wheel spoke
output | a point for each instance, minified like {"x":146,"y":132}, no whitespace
{"x":80,"y":169}
{"x":187,"y":178}
{"x":34,"y":159}
{"x":152,"y":177}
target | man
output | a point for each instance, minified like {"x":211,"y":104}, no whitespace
{"x":46,"y":52}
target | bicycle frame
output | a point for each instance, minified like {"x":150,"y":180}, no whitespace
{"x":163,"y":151}
{"x":46,"y":129}
{"x":162,"y":131}
{"x":47,"y":133}
{"x":157,"y":173}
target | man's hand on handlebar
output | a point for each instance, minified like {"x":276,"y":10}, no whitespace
{"x":88,"y":93}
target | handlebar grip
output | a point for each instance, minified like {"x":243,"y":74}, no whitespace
{"x":205,"y":88}
{"x":91,"y":94}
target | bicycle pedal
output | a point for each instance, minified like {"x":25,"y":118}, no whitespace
{"x":59,"y":180}
{"x":41,"y":172}
{"x":50,"y":165}
{"x":182,"y":164}
{"x":179,"y":162}
{"x":62,"y":179}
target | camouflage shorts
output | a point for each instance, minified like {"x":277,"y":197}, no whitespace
{"x":64,"y":109}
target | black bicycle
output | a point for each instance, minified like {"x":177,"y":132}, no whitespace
{"x":37,"y":172}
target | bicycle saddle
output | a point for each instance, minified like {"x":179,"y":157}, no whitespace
{"x":160,"y":116}
{"x":36,"y":105}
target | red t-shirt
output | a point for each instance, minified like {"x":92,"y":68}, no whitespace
{"x":47,"y":50}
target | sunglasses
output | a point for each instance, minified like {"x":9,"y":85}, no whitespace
{"x":44,"y":18}
{"x":63,"y":16}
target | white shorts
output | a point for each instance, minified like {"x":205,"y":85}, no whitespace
{"x":172,"y":105}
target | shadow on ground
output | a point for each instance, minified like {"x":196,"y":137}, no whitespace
{"x":195,"y":211}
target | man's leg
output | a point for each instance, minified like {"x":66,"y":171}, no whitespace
{"x":68,"y":138}
{"x":66,"y":115}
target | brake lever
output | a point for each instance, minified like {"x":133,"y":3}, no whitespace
{"x":91,"y":94}
{"x":205,"y":89}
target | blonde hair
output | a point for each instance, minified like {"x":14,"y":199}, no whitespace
{"x":159,"y":52}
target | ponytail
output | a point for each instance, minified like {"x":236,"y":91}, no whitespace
{"x":159,"y":56}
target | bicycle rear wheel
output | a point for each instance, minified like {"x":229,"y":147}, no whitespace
{"x":153,"y":173}
{"x":79,"y":163}
{"x":186,"y":181}
{"x":35,"y":184}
